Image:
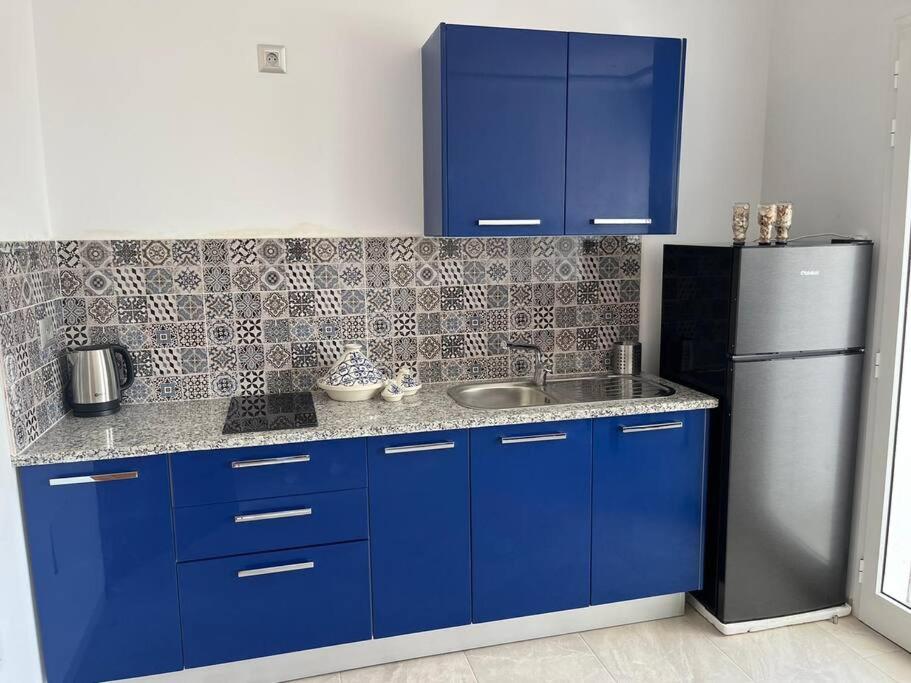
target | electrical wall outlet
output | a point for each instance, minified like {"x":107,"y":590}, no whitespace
{"x":271,"y":58}
{"x":46,"y":331}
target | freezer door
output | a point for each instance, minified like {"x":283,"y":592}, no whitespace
{"x":790,"y":484}
{"x":801,"y":298}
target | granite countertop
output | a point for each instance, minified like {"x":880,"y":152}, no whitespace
{"x":152,"y":428}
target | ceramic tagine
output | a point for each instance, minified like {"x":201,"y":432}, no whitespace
{"x":353,"y":377}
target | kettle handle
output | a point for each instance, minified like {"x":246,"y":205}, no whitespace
{"x":127,"y":364}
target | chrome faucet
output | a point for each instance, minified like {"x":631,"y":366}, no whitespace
{"x":541,"y":369}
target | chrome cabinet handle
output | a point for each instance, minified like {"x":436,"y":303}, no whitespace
{"x":93,"y":478}
{"x":244,"y":573}
{"x":418,"y":447}
{"x":534,"y":438}
{"x":265,"y":462}
{"x":621,"y":221}
{"x":506,"y":222}
{"x":281,"y":514}
{"x":635,"y":429}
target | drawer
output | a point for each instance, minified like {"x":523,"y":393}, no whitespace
{"x":254,"y":526}
{"x":232,"y":474}
{"x":266,"y":604}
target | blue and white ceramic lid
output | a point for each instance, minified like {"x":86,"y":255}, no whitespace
{"x":353,"y":370}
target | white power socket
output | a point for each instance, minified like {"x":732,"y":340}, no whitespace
{"x":46,"y":331}
{"x":271,"y":59}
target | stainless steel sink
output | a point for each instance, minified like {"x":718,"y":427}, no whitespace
{"x":495,"y":395}
{"x":524,"y":393}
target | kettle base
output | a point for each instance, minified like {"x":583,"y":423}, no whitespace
{"x":95,"y":409}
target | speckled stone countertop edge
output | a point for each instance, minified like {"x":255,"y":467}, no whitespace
{"x":155,"y":429}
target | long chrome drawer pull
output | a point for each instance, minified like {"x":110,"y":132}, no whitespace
{"x":281,"y":514}
{"x":244,"y":573}
{"x":287,"y":460}
{"x":418,"y":447}
{"x":506,"y":222}
{"x":559,"y":436}
{"x":635,"y":429}
{"x":621,"y":221}
{"x":93,"y":478}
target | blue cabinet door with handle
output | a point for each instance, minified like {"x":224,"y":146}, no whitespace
{"x":648,"y":505}
{"x":496,"y":102}
{"x":419,"y":531}
{"x":530,"y":518}
{"x":101,"y":550}
{"x":623,"y":134}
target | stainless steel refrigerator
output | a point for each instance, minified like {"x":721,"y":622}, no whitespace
{"x":777,"y":333}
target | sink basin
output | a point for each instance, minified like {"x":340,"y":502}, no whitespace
{"x":524,"y":393}
{"x":495,"y":395}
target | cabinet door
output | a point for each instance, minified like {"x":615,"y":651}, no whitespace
{"x":530,"y":519}
{"x":624,"y":107}
{"x":648,"y":505}
{"x":103,"y":568}
{"x":505,"y":131}
{"x":419,"y":531}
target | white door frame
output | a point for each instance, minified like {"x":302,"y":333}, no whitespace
{"x":879,"y":611}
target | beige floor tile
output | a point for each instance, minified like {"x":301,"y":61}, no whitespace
{"x":793,"y":653}
{"x":328,"y":678}
{"x":560,"y":658}
{"x":665,"y":650}
{"x":896,"y":664}
{"x":859,"y":637}
{"x":449,"y":668}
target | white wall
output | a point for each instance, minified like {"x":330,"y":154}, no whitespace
{"x":830,"y":103}
{"x":23,"y":215}
{"x":157,"y":122}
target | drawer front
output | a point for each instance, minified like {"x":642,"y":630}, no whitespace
{"x":530,"y":519}
{"x":232,"y":474}
{"x":259,"y":605}
{"x":254,"y":526}
{"x":648,"y":505}
{"x":419,"y":531}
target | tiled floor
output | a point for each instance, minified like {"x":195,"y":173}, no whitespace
{"x":685,"y":648}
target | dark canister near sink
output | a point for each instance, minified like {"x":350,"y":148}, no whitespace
{"x":96,"y":386}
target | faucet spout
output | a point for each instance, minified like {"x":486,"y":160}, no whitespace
{"x":541,"y":371}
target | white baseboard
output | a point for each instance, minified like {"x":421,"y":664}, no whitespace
{"x":764,"y":624}
{"x":324,"y":660}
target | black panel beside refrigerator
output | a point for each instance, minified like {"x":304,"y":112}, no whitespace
{"x":777,"y":334}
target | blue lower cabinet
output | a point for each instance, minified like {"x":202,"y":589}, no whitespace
{"x":530,"y":519}
{"x":269,"y":603}
{"x":101,"y":550}
{"x":648,"y":505}
{"x":252,"y":526}
{"x":419,"y":531}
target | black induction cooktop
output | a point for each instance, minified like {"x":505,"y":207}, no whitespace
{"x":270,"y":412}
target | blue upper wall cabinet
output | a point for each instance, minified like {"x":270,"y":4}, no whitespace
{"x":550,"y":133}
{"x":502,"y":107}
{"x":623,"y":134}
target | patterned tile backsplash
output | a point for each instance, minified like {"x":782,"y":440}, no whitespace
{"x":33,"y":377}
{"x":209,"y":318}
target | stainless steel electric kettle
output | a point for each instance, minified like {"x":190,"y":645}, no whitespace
{"x":95,"y":383}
